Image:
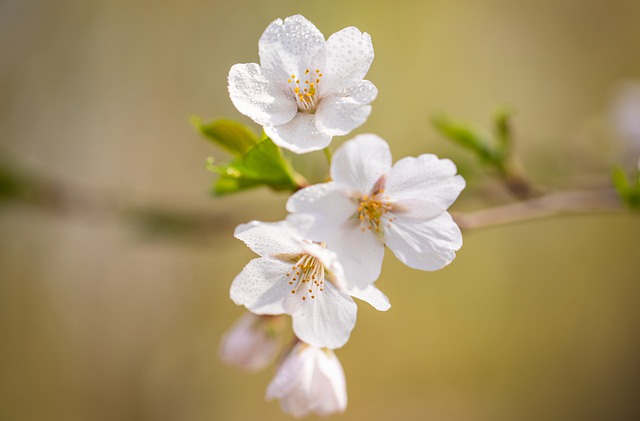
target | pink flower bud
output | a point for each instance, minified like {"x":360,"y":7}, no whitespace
{"x":250,"y":344}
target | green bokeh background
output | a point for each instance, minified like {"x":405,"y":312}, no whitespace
{"x":536,"y":321}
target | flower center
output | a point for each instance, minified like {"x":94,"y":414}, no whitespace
{"x":305,"y":89}
{"x":373,"y":209}
{"x":307,"y":274}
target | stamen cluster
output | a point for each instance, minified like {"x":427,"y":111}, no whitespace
{"x":307,"y":275}
{"x":372,"y":209}
{"x":306,"y":93}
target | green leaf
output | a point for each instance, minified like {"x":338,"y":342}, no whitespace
{"x":262,"y":165}
{"x":629,"y":191}
{"x":502,"y":122}
{"x":234,"y":137}
{"x":476,"y":139}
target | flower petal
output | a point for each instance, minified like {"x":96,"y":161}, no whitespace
{"x":262,"y":286}
{"x":373,"y":296}
{"x":340,"y":114}
{"x":290,"y":47}
{"x":360,"y":252}
{"x":254,"y":96}
{"x":292,"y":383}
{"x":349,"y":56}
{"x":360,"y":162}
{"x":326,"y":321}
{"x":269,"y":239}
{"x":321,"y":200}
{"x":424,"y":244}
{"x":329,"y":386}
{"x":424,"y":184}
{"x":299,"y":135}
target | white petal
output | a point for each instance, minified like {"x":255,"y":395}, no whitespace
{"x":373,"y":296}
{"x":360,"y":252}
{"x":262,"y":286}
{"x":360,"y":162}
{"x":329,"y":386}
{"x":269,"y":239}
{"x":256,"y":97}
{"x":293,"y":379}
{"x":425,"y":181}
{"x":326,"y":321}
{"x":349,"y":56}
{"x":340,"y":114}
{"x":299,"y":135}
{"x":424,"y":244}
{"x":289,"y":48}
{"x":322,"y":200}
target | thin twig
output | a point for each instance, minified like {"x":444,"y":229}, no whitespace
{"x":570,"y":202}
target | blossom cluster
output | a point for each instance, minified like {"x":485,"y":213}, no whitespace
{"x":329,"y":249}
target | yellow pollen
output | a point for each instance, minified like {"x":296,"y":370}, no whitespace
{"x":307,"y":268}
{"x":372,"y":209}
{"x":307,"y":102}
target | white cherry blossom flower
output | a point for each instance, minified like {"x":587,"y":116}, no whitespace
{"x":305,"y":90}
{"x":310,"y":380}
{"x":369,"y":203}
{"x":299,"y":277}
{"x":251,"y":344}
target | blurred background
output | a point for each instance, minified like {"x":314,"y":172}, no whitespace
{"x":104,"y":319}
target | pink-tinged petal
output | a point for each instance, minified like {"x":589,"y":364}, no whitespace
{"x":330,"y":386}
{"x":254,"y":96}
{"x":309,"y":380}
{"x":248,"y":345}
{"x":359,"y":163}
{"x":424,"y":244}
{"x":292,"y":383}
{"x":299,"y":135}
{"x":262,"y":286}
{"x":373,"y":296}
{"x":269,"y":239}
{"x":325,"y":321}
{"x":322,"y":200}
{"x":424,"y":186}
{"x":349,"y":56}
{"x":290,"y":47}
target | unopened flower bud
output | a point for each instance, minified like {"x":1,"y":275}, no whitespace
{"x":252,"y":343}
{"x":310,"y":380}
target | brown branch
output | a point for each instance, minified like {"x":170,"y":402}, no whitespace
{"x":570,"y":202}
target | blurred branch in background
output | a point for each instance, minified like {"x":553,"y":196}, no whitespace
{"x":16,"y":186}
{"x":19,"y":187}
{"x":552,"y":204}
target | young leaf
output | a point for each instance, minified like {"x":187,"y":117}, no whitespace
{"x":475,"y":139}
{"x":502,"y":121}
{"x":262,"y":165}
{"x":234,"y":137}
{"x":628,"y":190}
